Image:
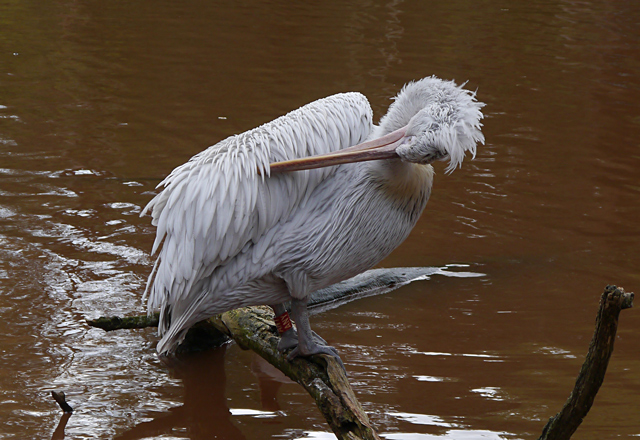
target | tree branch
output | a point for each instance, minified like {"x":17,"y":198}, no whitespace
{"x":325,"y":381}
{"x":564,"y":424}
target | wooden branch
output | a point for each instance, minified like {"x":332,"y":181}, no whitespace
{"x":109,"y":323}
{"x":202,"y":336}
{"x":61,"y":399}
{"x":322,"y":376}
{"x":564,"y":424}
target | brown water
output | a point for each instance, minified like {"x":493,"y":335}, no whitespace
{"x":100,"y":100}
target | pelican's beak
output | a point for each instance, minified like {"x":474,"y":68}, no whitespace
{"x":376,"y":149}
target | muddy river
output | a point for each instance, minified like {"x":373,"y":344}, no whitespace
{"x":100,"y":100}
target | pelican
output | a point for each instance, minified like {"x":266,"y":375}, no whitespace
{"x":312,"y":198}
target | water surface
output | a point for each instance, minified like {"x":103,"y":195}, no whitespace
{"x":100,"y":100}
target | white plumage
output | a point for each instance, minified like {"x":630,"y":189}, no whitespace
{"x":230,"y":233}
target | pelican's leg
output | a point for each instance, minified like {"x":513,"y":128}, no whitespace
{"x":307,"y":344}
{"x":288,"y":339}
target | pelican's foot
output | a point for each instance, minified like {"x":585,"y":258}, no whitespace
{"x":289,"y":339}
{"x":309,"y":343}
{"x":314,"y":349}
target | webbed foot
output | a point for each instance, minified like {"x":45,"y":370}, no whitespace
{"x":309,"y":343}
{"x":289,"y":340}
{"x":313,"y":349}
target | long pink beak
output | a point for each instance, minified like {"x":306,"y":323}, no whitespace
{"x":381,"y":148}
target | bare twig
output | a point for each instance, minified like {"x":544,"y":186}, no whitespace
{"x":564,"y":424}
{"x":62,"y":401}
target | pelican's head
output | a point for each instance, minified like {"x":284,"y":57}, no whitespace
{"x":437,"y":120}
{"x":429,"y":120}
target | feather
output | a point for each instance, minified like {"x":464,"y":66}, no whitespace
{"x":225,"y":202}
{"x":229,"y":234}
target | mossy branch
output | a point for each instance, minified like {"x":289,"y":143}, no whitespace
{"x":110,"y":323}
{"x":322,"y":376}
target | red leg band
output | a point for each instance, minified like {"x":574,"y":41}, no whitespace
{"x":283,"y":323}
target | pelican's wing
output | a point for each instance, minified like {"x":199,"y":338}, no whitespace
{"x":224,"y":199}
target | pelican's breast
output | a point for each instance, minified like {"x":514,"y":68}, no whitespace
{"x":405,"y":184}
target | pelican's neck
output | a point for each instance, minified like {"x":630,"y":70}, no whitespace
{"x":403,"y":181}
{"x":377,"y":131}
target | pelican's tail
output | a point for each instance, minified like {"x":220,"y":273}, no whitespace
{"x":173,"y":327}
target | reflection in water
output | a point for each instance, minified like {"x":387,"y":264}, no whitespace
{"x":453,"y":434}
{"x":423,"y":419}
{"x":58,"y":434}
{"x":492,"y":393}
{"x":204,"y":414}
{"x":270,"y":379}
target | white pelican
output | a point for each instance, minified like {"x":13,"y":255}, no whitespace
{"x":238,"y":229}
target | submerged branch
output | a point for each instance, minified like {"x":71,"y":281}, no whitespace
{"x":109,"y":323}
{"x":253,"y":328}
{"x":564,"y":424}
